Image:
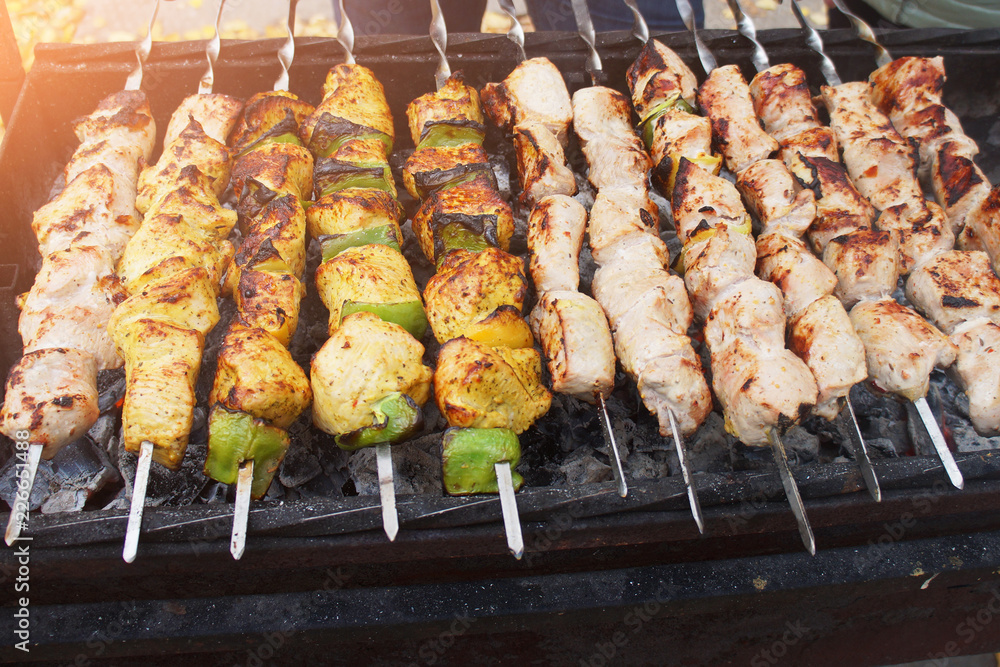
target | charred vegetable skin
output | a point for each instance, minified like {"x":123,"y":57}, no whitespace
{"x":259,"y":390}
{"x":368,"y":378}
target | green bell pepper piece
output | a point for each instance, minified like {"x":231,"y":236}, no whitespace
{"x":377,"y":178}
{"x":334,"y":244}
{"x":332,"y":132}
{"x":235,"y":437}
{"x":470,"y":455}
{"x":396,"y":417}
{"x":649,"y":122}
{"x":456,"y":236}
{"x":408,"y":314}
{"x":440,"y":135}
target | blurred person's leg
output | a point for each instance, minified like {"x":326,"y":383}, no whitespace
{"x":412,"y":17}
{"x":661,"y":15}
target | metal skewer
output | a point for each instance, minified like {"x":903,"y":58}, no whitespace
{"x":882,"y":58}
{"x":345,"y":33}
{"x":22,"y":501}
{"x":244,"y":481}
{"x":505,"y":481}
{"x":134,"y":80}
{"x":791,"y":490}
{"x":138,"y":501}
{"x":761,"y":62}
{"x":639,"y":29}
{"x":516,"y":35}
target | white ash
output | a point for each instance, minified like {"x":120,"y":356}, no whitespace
{"x":582,"y":467}
{"x":416,"y":467}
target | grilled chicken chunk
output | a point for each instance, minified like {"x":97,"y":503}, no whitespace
{"x":866,"y":264}
{"x":822,"y":336}
{"x":984,"y":224}
{"x":478,"y":386}
{"x":534,"y":91}
{"x":353,"y":209}
{"x":371,"y":274}
{"x":955,"y":287}
{"x":271,"y":113}
{"x":760,"y":391}
{"x":475,"y":205}
{"x":541,"y":164}
{"x":750,"y":309}
{"x":437,"y":162}
{"x":272,"y":168}
{"x":217,"y":114}
{"x":657,"y":76}
{"x":715,"y":262}
{"x":702,"y":201}
{"x":617,"y":212}
{"x":770,"y":191}
{"x":555,"y":237}
{"x":960,"y":187}
{"x":351,"y":94}
{"x":455,"y":102}
{"x":275,"y":234}
{"x":70,"y":303}
{"x":977,"y":370}
{"x":257,"y":375}
{"x":362,"y":361}
{"x":468,"y":288}
{"x":789,"y":264}
{"x":120,"y":134}
{"x":192,"y":147}
{"x":676,"y":134}
{"x":901,"y":348}
{"x":725,"y":98}
{"x":782,"y":101}
{"x":615,"y":155}
{"x":51,"y":398}
{"x":576,"y":342}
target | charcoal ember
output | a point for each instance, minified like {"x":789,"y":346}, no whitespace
{"x":709,"y":449}
{"x":214,"y":492}
{"x":45,"y":482}
{"x":882,"y":416}
{"x":103,"y":431}
{"x":199,"y":425}
{"x":320,"y":486}
{"x":654,"y":465}
{"x":501,"y":169}
{"x":168,"y":487}
{"x":64,"y":484}
{"x":881,"y":447}
{"x":583,"y":467}
{"x":110,"y":388}
{"x":801,"y":445}
{"x":119,"y":502}
{"x":416,"y":467}
{"x":300,"y":465}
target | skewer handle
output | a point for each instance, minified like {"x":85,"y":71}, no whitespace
{"x":19,"y":512}
{"x":516,"y":32}
{"x":345,"y":33}
{"x":286,"y":54}
{"x":134,"y":80}
{"x":439,"y":37}
{"x":387,"y":490}
{"x":865,"y":32}
{"x":815,"y":43}
{"x":861,"y":456}
{"x":749,"y":30}
{"x":508,"y":505}
{"x":138,"y":502}
{"x":692,"y":493}
{"x":940,"y":446}
{"x":640,"y":30}
{"x":609,"y":440}
{"x":212,"y":55}
{"x":585,"y":26}
{"x":704,"y":55}
{"x":792,"y":491}
{"x":241,"y":511}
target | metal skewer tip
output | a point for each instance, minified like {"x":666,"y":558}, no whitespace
{"x":508,"y":505}
{"x":387,"y":490}
{"x":138,"y":502}
{"x":609,"y":440}
{"x":345,"y":33}
{"x":439,"y":37}
{"x":585,"y":26}
{"x":516,"y":32}
{"x":861,"y":456}
{"x":815,"y":42}
{"x":286,"y":54}
{"x":708,"y":62}
{"x":792,"y":491}
{"x":241,"y":510}
{"x":940,"y":446}
{"x":134,"y":81}
{"x":747,"y":28}
{"x":212,"y":54}
{"x":640,"y":30}
{"x":692,"y":493}
{"x":19,"y":512}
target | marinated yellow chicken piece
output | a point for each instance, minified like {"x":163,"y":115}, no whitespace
{"x":186,"y":228}
{"x":374,"y":274}
{"x":273,"y":113}
{"x":161,"y":368}
{"x":280,"y":226}
{"x":430,"y":167}
{"x":192,"y":148}
{"x":351,"y":210}
{"x":185,"y":299}
{"x":454,"y":101}
{"x":475,"y":205}
{"x":215,"y":112}
{"x":276,"y":166}
{"x":479,"y":386}
{"x":351,"y":93}
{"x":269,"y":299}
{"x":468,"y":287}
{"x":257,"y":375}
{"x":363,"y":361}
